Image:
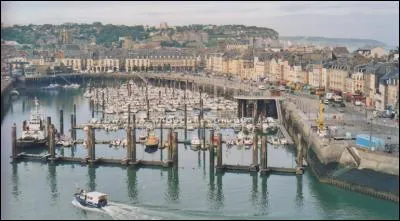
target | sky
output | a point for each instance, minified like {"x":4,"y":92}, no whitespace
{"x":378,"y":20}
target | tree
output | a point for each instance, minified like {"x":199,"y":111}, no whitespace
{"x":151,"y":67}
{"x":142,"y":68}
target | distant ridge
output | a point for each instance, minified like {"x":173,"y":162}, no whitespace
{"x":350,"y":43}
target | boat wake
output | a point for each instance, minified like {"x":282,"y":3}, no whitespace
{"x":119,"y":211}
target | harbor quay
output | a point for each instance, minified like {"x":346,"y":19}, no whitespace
{"x":333,"y":162}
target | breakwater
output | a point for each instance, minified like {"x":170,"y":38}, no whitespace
{"x":352,"y":168}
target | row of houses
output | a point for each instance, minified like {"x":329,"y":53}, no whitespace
{"x":377,"y":81}
{"x":136,"y":60}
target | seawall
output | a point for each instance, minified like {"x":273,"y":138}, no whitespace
{"x":348,"y":167}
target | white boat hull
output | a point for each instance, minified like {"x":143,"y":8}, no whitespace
{"x":77,"y":204}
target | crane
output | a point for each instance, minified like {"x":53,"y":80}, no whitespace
{"x":320,"y":120}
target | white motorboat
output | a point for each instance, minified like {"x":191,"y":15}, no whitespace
{"x":195,"y":142}
{"x":248,"y":141}
{"x":90,"y":199}
{"x":283,"y":141}
{"x":143,"y":137}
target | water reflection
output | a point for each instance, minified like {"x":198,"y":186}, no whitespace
{"x":132,"y":184}
{"x":92,"y":177}
{"x":173,"y":185}
{"x":204,"y":163}
{"x":15,"y":180}
{"x":198,"y":159}
{"x":53,"y":181}
{"x":299,"y":193}
{"x":220,"y":195}
{"x":254,"y":189}
{"x":264,"y":204}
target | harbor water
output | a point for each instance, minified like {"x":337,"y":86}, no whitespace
{"x":38,"y":190}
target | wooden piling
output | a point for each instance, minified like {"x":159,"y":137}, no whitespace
{"x":219,"y":151}
{"x":175,"y":149}
{"x":264,"y":155}
{"x":92,"y":144}
{"x":129,"y":143}
{"x":52,"y":143}
{"x":204,"y":134}
{"x":92,"y":104}
{"x":133,"y":158}
{"x":103,"y":104}
{"x":161,"y":133}
{"x":148,"y":108}
{"x":14,"y":141}
{"x":199,"y":126}
{"x":173,"y":90}
{"x":211,"y":149}
{"x":185,"y":116}
{"x":72,"y":126}
{"x":170,"y":138}
{"x":254,"y":166}
{"x":48,"y":132}
{"x":129,"y":115}
{"x":201,"y":109}
{"x":299,"y":168}
{"x":61,"y":122}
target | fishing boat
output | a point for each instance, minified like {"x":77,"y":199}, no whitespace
{"x":152,"y":140}
{"x":90,"y":199}
{"x":33,"y":132}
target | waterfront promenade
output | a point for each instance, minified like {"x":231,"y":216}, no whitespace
{"x":200,"y":80}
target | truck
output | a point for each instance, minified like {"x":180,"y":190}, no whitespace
{"x":337,"y":99}
{"x":329,"y":96}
